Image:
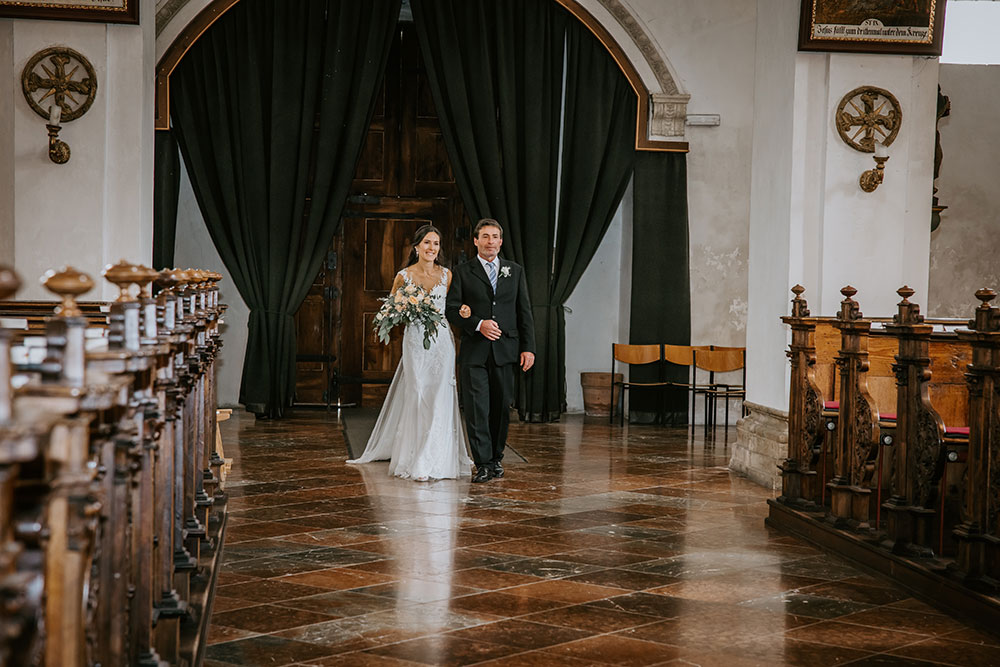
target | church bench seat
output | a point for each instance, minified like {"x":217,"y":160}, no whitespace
{"x":921,"y":435}
{"x":108,"y":442}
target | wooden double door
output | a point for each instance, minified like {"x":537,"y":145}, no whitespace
{"x":403,"y":180}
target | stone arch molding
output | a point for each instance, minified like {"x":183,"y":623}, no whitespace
{"x":663,"y":101}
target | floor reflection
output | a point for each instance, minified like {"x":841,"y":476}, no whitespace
{"x":609,"y":545}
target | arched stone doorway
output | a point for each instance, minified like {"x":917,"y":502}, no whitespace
{"x":654,"y":148}
{"x":662,"y":98}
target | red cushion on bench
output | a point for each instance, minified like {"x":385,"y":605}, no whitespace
{"x":888,"y":416}
{"x":831,"y":405}
{"x":956,"y":430}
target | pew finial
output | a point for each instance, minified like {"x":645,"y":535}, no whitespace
{"x":144,"y":277}
{"x":985,"y":294}
{"x":165,"y":280}
{"x":907,"y":312}
{"x":800,"y":308}
{"x":987,"y":319}
{"x":122,"y":275}
{"x":10,"y":282}
{"x":67,"y":284}
{"x":849,"y":309}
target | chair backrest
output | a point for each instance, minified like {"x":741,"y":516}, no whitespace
{"x":720,"y":361}
{"x":635,"y":354}
{"x":681,"y":355}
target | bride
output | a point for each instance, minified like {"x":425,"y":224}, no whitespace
{"x":419,"y":429}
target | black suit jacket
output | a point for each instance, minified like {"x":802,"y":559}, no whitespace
{"x":510,"y":308}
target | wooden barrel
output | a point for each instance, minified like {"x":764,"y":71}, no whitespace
{"x":597,"y":393}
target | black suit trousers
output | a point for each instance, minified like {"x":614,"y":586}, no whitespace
{"x":487,"y":393}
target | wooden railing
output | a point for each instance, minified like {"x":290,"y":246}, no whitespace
{"x":897,"y":450}
{"x":111,"y":513}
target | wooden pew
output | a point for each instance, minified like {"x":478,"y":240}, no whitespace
{"x":34,"y":315}
{"x":806,"y":433}
{"x":917,"y":456}
{"x":978,"y":561}
{"x":21,"y":572}
{"x":120,"y":451}
{"x":917,"y":421}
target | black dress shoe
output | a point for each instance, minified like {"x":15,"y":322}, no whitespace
{"x":497,"y":470}
{"x":483,"y":474}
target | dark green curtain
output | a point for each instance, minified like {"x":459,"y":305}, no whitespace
{"x":166,"y":187}
{"x":661,"y":288}
{"x":271,"y":108}
{"x":496,"y":69}
{"x":597,"y":157}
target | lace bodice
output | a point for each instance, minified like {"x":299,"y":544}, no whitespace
{"x":439,"y":293}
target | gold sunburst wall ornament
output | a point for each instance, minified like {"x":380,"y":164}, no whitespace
{"x":59,"y":85}
{"x":867,"y":115}
{"x":868,"y":120}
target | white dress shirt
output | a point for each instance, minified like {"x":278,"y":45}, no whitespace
{"x":496,"y":270}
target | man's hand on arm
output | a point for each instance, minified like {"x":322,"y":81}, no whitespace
{"x":489,"y":329}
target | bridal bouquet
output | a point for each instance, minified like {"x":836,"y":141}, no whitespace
{"x":409,"y":305}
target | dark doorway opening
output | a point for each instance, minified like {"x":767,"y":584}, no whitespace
{"x":403,"y":180}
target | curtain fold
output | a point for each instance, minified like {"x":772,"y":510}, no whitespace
{"x":496,"y":71}
{"x":597,"y":158}
{"x":166,"y":188}
{"x":661,"y":300}
{"x":271,"y":108}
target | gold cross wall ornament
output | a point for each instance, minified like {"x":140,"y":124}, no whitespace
{"x":62,"y":77}
{"x":867,"y":115}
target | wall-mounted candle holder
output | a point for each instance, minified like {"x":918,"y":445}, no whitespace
{"x":68,"y":78}
{"x":872,"y":178}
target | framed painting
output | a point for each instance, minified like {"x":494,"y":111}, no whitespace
{"x":906,"y":27}
{"x":102,"y":11}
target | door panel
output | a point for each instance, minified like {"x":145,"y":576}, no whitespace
{"x":403,"y":180}
{"x":377,"y":241}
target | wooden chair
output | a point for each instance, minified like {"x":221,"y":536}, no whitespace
{"x":683,"y":355}
{"x":635,"y":355}
{"x":720,"y":360}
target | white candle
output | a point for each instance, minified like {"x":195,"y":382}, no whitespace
{"x":55,"y":114}
{"x":880,"y":150}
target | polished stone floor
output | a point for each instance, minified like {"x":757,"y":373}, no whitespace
{"x":631,"y":546}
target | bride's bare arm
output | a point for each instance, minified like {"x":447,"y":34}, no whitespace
{"x":397,"y":283}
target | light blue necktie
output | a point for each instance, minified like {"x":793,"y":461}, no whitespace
{"x":492,"y":272}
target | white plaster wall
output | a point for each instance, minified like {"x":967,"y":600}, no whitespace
{"x":772,"y":186}
{"x":195,"y":249}
{"x":97,"y":208}
{"x":7,"y":146}
{"x":965,"y":247}
{"x":711,"y":45}
{"x":596,"y":304}
{"x":877,"y":241}
{"x":810,"y":221}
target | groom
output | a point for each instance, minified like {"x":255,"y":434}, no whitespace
{"x":488,"y":303}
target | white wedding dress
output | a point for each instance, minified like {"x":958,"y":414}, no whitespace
{"x":419,"y":429}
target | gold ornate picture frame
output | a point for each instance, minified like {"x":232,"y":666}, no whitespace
{"x":101,"y":11}
{"x":906,"y":27}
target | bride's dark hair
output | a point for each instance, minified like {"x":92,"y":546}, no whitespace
{"x":417,"y":238}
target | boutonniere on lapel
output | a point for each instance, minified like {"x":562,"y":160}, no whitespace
{"x":505,"y":271}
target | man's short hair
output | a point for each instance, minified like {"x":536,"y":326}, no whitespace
{"x":486,"y":222}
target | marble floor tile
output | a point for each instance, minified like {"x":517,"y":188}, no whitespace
{"x":267,"y":618}
{"x":617,"y":650}
{"x":608,"y":546}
